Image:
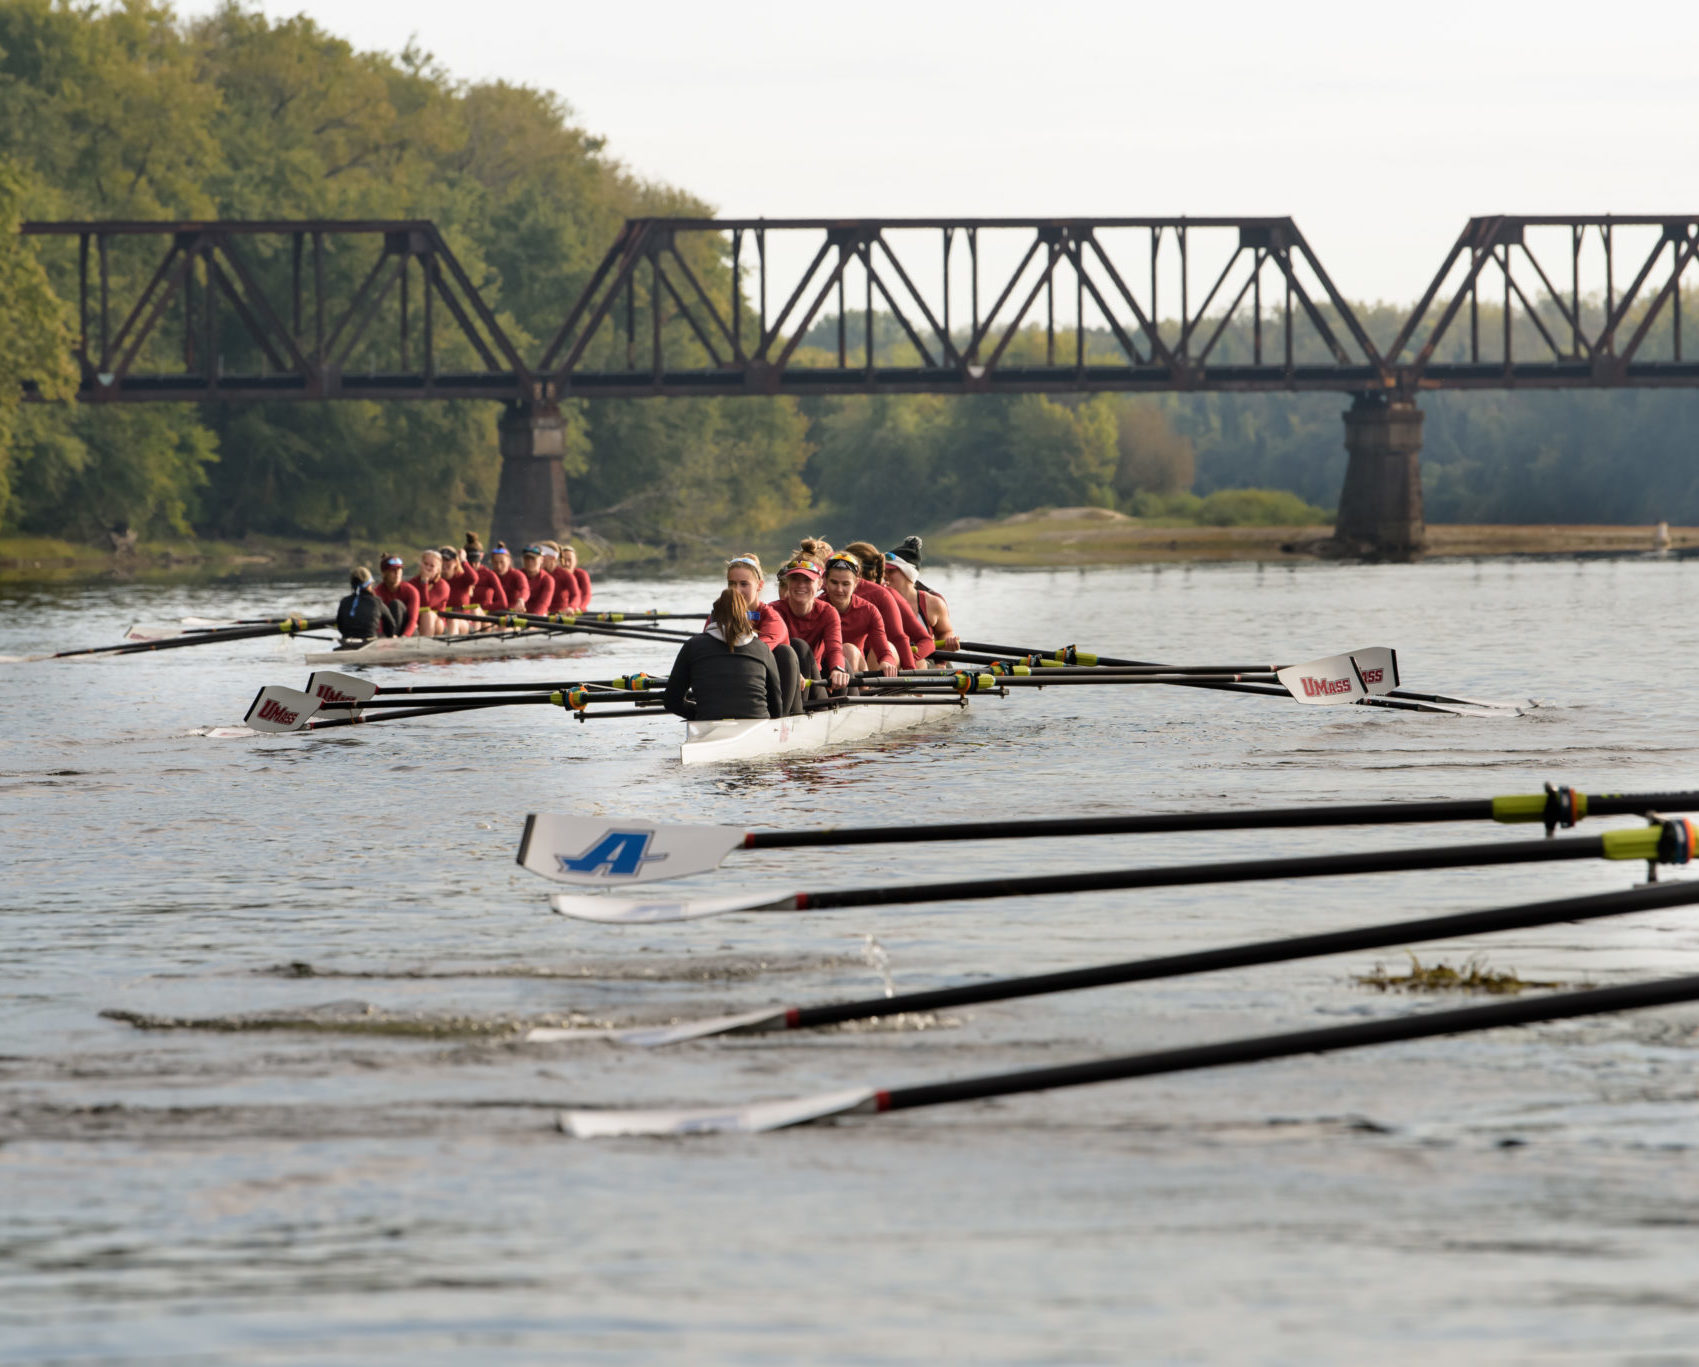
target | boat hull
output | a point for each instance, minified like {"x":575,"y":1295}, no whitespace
{"x":714,"y":742}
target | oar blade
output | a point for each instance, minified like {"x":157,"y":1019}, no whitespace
{"x":1331,"y":682}
{"x":339,"y":690}
{"x":654,"y":1036}
{"x":756,"y":1119}
{"x":608,"y":852}
{"x":276,"y":708}
{"x":637,"y":911}
{"x":1377,"y":667}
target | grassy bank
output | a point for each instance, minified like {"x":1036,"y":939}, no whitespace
{"x":1096,"y":536}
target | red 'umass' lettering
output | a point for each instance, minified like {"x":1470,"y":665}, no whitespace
{"x":1320,"y":688}
{"x":272,"y":710}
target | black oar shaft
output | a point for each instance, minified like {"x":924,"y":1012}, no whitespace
{"x":1330,"y":1039}
{"x":1527,"y":808}
{"x":1244,"y":871}
{"x":287,"y":626}
{"x":389,"y":690}
{"x":1257,"y":953}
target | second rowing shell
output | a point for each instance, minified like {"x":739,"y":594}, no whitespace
{"x":713,"y":742}
{"x":490,"y":646}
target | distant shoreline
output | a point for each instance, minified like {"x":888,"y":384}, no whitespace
{"x":1066,"y":538}
{"x":1070,"y":537}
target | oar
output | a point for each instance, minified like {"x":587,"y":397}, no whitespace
{"x":681,"y":851}
{"x":333,"y":687}
{"x":321,"y":722}
{"x":566,"y":622}
{"x":1665,"y":841}
{"x":1384,"y":659}
{"x":276,"y":708}
{"x":289,"y":626}
{"x":1255,"y":954}
{"x":773,"y":1115}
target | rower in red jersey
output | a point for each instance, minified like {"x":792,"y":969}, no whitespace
{"x":865,"y":644}
{"x":566,"y":586}
{"x":569,"y":562}
{"x":402,"y":596}
{"x":433,"y":591}
{"x":902,"y":573}
{"x":459,"y":578}
{"x":743,"y":573}
{"x":812,"y":621}
{"x":488,"y":594}
{"x":539,"y":585}
{"x":903,"y":627}
{"x":513,"y":581}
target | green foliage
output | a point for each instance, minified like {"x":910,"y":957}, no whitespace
{"x":122,"y":110}
{"x":84,"y":470}
{"x":1258,"y":508}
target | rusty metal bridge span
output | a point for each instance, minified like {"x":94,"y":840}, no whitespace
{"x":322,"y":310}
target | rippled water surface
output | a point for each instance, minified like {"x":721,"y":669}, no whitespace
{"x":263,"y":1096}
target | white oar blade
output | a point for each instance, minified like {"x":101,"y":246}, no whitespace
{"x":339,"y":690}
{"x":604,"y":852}
{"x":280,"y":709}
{"x":1377,"y":667}
{"x":1324,"y":683}
{"x":636,"y":911}
{"x":765,"y":1115}
{"x":654,"y":1036}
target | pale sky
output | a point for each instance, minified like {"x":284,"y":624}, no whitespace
{"x":1380,"y":126}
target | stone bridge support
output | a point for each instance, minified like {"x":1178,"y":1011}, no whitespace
{"x":1380,"y":509}
{"x":531,"y":502}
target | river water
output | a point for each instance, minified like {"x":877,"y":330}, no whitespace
{"x":311,"y":1134}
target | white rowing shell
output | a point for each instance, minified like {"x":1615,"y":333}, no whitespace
{"x":713,"y":742}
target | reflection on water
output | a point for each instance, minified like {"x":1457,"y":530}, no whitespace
{"x":212,"y":1152}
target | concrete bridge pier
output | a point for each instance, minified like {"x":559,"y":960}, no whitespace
{"x":531,"y":502}
{"x":1380,"y":509}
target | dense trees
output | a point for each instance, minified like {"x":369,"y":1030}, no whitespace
{"x":123,"y":111}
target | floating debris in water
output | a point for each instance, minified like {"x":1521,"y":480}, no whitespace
{"x":1473,"y":976}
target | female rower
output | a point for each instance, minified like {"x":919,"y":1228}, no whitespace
{"x":903,"y":627}
{"x":459,"y":576}
{"x":902,"y":573}
{"x":488,"y":592}
{"x":513,"y":581}
{"x":566,"y":587}
{"x":743,"y":573}
{"x":866,"y":646}
{"x":433,"y":593}
{"x":727,"y":670}
{"x":812,"y":622}
{"x":401,"y":597}
{"x":539,"y":585}
{"x":569,"y":563}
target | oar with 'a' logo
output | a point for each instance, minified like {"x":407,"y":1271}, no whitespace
{"x":594,"y":851}
{"x":1668,"y":841}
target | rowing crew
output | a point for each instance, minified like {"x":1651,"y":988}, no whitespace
{"x":836,"y":616}
{"x":547,"y":579}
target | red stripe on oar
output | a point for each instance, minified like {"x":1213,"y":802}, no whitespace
{"x":881,"y":1101}
{"x":793,"y":1017}
{"x":802,"y":901}
{"x":749,"y":840}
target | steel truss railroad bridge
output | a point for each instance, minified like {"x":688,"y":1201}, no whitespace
{"x":319,"y":310}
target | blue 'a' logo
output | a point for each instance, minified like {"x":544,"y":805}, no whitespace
{"x":622,"y":853}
